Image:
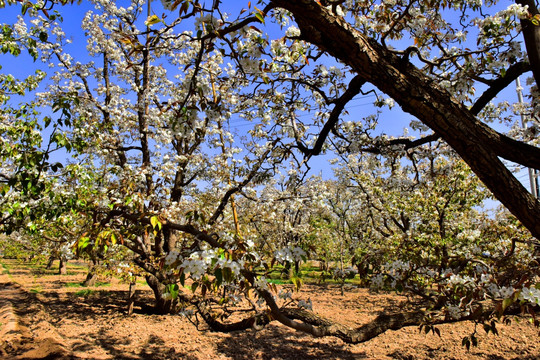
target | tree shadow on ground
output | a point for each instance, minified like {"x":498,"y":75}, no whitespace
{"x":276,"y":342}
{"x":83,"y":307}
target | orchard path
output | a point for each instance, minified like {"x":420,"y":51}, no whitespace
{"x":47,"y":316}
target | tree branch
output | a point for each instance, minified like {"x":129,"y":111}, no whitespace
{"x":531,"y":35}
{"x":354,"y":88}
{"x":499,"y":84}
{"x":240,"y":186}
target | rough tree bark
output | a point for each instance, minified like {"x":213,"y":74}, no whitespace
{"x":161,"y":305}
{"x":531,"y":35}
{"x":91,"y":277}
{"x":131,"y":296}
{"x":62,"y":267}
{"x":478,"y":145}
{"x":50,"y":263}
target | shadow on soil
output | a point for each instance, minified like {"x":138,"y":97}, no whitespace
{"x":272,"y":343}
{"x":275,"y":343}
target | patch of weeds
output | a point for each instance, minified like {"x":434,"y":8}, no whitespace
{"x":76,"y":266}
{"x":311,"y":268}
{"x":84,"y":293}
{"x":102,"y":283}
{"x":73,"y":284}
{"x":279,"y":281}
{"x":36,"y":290}
{"x":33,"y":265}
{"x":5,"y":268}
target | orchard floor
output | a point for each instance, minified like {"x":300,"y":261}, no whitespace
{"x":46,"y":316}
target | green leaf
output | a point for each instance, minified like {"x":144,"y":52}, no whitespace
{"x":219,"y":276}
{"x":173,"y":289}
{"x":227,"y":274}
{"x":43,"y":36}
{"x":184,"y":8}
{"x":182,"y":278}
{"x":506,"y":303}
{"x":297,"y":282}
{"x":259,"y":14}
{"x":204,"y":289}
{"x":156,"y":224}
{"x":152,"y":20}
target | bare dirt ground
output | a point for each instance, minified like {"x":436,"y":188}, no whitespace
{"x":45,"y":316}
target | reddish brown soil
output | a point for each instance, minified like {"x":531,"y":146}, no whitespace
{"x":42,"y":318}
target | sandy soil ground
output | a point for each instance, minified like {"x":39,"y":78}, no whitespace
{"x":45,"y":316}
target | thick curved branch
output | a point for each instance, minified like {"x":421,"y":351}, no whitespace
{"x":499,"y":84}
{"x":185,"y":228}
{"x":407,"y":143}
{"x":256,"y":321}
{"x":237,"y":26}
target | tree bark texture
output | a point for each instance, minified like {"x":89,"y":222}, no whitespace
{"x":131,"y":297}
{"x":50,"y":263}
{"x":531,"y":35}
{"x":62,"y":267}
{"x":161,"y":305}
{"x":91,"y":277}
{"x":477,"y":144}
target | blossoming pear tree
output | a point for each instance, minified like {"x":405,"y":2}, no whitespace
{"x":159,"y":169}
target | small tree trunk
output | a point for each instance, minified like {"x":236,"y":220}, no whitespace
{"x":50,"y":263}
{"x":62,"y":267}
{"x":131,"y":296}
{"x":161,"y":305}
{"x":286,"y":272}
{"x":91,"y":277}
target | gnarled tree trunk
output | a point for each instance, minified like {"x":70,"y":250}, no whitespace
{"x":161,"y":305}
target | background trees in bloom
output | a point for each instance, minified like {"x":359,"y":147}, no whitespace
{"x":160,"y":178}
